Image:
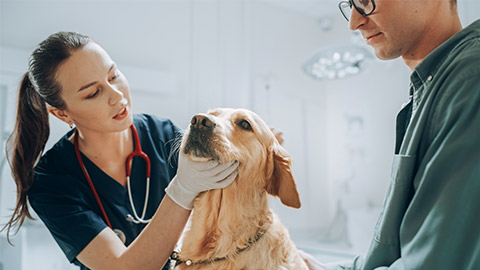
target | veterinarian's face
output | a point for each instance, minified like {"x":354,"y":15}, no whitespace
{"x":396,"y":27}
{"x":96,"y":93}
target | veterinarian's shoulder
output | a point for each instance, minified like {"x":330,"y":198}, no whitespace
{"x":156,"y":127}
{"x":57,"y":159}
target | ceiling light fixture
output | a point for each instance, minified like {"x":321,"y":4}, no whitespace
{"x":336,"y":62}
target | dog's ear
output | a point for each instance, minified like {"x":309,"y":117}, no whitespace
{"x":281,"y":182}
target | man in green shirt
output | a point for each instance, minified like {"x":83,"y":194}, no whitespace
{"x":431,"y":214}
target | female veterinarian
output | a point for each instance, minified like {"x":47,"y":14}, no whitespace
{"x":93,"y":196}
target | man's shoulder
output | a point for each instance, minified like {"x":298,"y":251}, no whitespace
{"x":467,"y":53}
{"x":461,"y":67}
{"x":464,"y":58}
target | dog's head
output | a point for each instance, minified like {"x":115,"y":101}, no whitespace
{"x":239,"y":134}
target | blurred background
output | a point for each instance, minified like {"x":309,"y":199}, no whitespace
{"x":295,"y":63}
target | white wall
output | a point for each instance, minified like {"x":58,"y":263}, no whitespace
{"x":468,"y":11}
{"x":290,"y":101}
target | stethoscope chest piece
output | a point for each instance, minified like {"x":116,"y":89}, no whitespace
{"x":120,"y":235}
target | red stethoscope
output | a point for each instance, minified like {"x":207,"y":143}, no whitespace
{"x":137,"y":152}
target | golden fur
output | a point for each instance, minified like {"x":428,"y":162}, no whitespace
{"x":224,"y":220}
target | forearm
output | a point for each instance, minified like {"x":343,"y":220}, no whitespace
{"x":153,"y":246}
{"x":150,"y":250}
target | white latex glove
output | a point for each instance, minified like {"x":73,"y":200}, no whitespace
{"x":194,"y":177}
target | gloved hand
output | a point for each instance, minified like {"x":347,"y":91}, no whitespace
{"x":194,"y":177}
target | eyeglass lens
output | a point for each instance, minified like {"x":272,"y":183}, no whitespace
{"x":364,"y":7}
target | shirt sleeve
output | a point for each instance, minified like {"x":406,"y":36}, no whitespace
{"x":65,"y":211}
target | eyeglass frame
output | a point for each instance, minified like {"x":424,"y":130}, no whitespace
{"x":351,"y":3}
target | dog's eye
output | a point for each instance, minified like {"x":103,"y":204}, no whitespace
{"x":245,"y":125}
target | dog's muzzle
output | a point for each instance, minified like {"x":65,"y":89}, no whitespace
{"x":200,"y":136}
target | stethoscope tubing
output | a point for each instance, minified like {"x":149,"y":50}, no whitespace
{"x":89,"y":180}
{"x":137,"y":152}
{"x":137,"y":219}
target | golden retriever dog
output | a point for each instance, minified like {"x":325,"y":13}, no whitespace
{"x":234,"y":228}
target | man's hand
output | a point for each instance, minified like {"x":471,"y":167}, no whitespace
{"x":312,"y":263}
{"x":278,"y":135}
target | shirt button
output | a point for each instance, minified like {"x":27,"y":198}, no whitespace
{"x":429,"y":78}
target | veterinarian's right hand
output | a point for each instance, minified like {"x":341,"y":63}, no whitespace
{"x":194,"y":177}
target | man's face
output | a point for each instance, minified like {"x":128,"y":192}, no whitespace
{"x":396,"y":27}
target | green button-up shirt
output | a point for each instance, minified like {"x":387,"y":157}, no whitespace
{"x":431,"y":214}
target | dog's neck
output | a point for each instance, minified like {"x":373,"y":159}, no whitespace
{"x":225,"y":220}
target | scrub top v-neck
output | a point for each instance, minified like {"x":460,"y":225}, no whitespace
{"x":61,"y":197}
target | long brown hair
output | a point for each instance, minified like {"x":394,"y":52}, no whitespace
{"x":38,"y":88}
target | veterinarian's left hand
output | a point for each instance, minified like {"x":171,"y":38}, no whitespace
{"x":311,"y":262}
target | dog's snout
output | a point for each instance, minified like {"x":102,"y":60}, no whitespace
{"x":202,"y":121}
{"x":198,"y":142}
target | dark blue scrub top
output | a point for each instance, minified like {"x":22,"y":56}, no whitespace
{"x":61,"y":197}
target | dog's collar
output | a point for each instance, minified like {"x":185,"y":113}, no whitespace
{"x":176,"y":254}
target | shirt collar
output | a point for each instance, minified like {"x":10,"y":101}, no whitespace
{"x":425,"y":71}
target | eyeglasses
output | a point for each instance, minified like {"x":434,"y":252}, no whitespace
{"x":364,"y":7}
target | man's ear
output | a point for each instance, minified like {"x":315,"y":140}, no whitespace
{"x":281,"y":182}
{"x":60,"y":114}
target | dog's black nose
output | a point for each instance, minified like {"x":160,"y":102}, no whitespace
{"x":202,"y":121}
